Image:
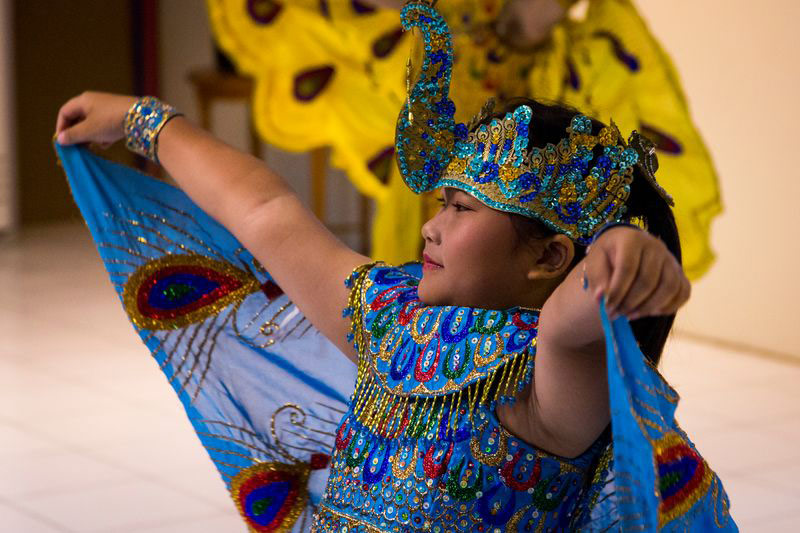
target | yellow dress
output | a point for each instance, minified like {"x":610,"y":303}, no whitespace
{"x":332,"y":73}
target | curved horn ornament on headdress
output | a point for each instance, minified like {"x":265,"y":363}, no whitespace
{"x":426,"y":130}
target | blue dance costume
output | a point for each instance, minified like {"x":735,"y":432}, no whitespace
{"x":418,"y":446}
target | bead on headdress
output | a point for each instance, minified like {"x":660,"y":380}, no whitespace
{"x":566,"y":186}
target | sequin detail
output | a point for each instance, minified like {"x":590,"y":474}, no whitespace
{"x":271,"y":496}
{"x":426,"y":127}
{"x":683,"y":476}
{"x":179,"y":289}
{"x":143,"y":122}
{"x":420,"y":366}
{"x":566,"y":186}
{"x":420,"y":448}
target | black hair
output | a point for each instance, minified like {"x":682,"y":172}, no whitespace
{"x":644,"y":204}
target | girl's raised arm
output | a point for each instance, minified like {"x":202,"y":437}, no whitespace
{"x":244,"y":195}
{"x":638,"y":276}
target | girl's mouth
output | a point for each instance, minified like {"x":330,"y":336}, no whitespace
{"x":430,"y":264}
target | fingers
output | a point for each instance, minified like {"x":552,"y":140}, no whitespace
{"x":660,"y":296}
{"x":657,"y":293}
{"x":637,"y":274}
{"x":74,"y":118}
{"x":625,"y":271}
{"x":597,"y":270}
{"x":74,"y":135}
{"x":93,"y":117}
{"x":71,"y":112}
{"x":668,"y":306}
{"x":646,"y":282}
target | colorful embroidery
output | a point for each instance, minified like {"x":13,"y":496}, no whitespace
{"x":683,"y":476}
{"x":423,"y":369}
{"x":665,"y":483}
{"x":421,"y":448}
{"x":574,"y":186}
{"x":565,"y":185}
{"x":271,"y":496}
{"x":179,"y":289}
{"x":143,"y":123}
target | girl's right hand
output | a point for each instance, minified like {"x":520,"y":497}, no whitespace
{"x":93,"y":117}
{"x":636,"y":273}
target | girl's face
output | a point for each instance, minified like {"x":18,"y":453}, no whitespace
{"x":471,"y":256}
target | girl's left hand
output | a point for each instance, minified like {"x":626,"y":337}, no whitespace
{"x":636,"y":273}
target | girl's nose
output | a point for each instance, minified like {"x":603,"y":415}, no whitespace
{"x":429,"y":232}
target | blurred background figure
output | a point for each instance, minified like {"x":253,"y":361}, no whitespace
{"x":333,"y":74}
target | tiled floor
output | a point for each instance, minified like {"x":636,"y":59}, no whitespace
{"x":92,"y":438}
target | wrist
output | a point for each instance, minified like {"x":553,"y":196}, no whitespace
{"x":611,"y":225}
{"x":143,"y":123}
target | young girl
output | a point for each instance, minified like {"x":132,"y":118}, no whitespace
{"x":482,"y":398}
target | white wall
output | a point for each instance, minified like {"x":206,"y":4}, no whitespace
{"x":740,"y":64}
{"x":7,"y":166}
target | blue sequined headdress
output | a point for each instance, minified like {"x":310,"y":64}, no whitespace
{"x":567,"y":186}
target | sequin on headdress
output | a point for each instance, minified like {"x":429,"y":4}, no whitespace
{"x":574,"y":187}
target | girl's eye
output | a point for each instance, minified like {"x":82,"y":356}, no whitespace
{"x":457,"y":206}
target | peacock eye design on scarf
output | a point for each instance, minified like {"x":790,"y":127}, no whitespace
{"x":271,"y":495}
{"x":176,"y":290}
{"x":683,"y":476}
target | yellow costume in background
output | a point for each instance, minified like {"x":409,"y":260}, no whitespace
{"x":332,"y":73}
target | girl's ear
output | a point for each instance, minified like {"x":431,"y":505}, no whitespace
{"x":554,"y":257}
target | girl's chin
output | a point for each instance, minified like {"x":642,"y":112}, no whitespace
{"x":429,"y":297}
{"x":423,"y":293}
